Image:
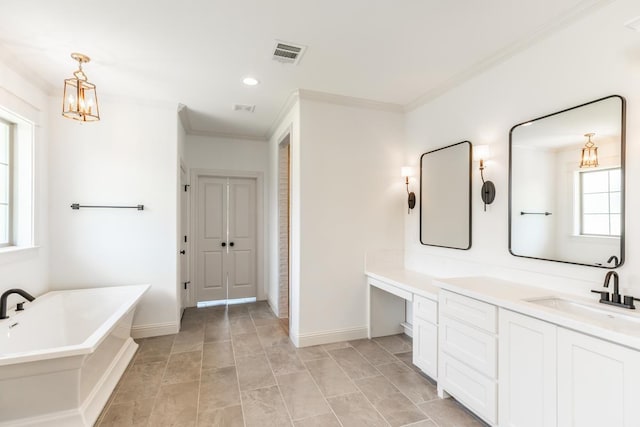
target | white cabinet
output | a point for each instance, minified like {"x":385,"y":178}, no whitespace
{"x":527,"y":372}
{"x":425,"y":335}
{"x":467,"y":359}
{"x":598,"y":382}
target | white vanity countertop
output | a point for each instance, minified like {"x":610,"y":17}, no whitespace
{"x":513,"y":296}
{"x":408,"y":280}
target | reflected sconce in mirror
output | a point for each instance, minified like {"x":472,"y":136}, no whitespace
{"x":407,"y":172}
{"x":488,"y":192}
{"x":589,"y":156}
{"x":80,"y":101}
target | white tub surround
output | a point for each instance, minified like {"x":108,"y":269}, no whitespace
{"x":62,"y":356}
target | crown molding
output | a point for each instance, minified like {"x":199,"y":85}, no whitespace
{"x":17,"y":66}
{"x":292,"y":99}
{"x":349,"y":101}
{"x":583,"y":9}
{"x":227,"y":135}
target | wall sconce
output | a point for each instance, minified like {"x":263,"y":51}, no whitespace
{"x":406,"y":172}
{"x":589,"y":155}
{"x":80,"y":101}
{"x":488,"y":191}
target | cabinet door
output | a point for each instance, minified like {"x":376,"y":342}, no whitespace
{"x":527,"y":371}
{"x":598,"y":382}
{"x":425,"y":346}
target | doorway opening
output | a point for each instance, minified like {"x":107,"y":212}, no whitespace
{"x":284,"y":226}
{"x":227,"y":238}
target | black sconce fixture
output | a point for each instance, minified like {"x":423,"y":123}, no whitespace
{"x":407,"y":171}
{"x":488,"y":191}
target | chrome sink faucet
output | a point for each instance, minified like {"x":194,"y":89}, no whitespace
{"x":3,"y":301}
{"x":616,"y":299}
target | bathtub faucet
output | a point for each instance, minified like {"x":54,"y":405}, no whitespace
{"x":3,"y":300}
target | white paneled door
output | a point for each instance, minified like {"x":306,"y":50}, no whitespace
{"x":226,"y":238}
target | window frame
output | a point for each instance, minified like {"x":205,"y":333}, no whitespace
{"x":581,"y":193}
{"x":10,"y":184}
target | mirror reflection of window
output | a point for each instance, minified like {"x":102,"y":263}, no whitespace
{"x":600,"y":192}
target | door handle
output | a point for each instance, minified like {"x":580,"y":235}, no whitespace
{"x":185,"y":284}
{"x":182,"y":252}
{"x":231,"y":243}
{"x":223,"y":244}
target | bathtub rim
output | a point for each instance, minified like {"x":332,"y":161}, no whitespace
{"x":89,"y":345}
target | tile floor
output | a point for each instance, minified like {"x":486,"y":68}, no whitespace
{"x":235,"y":366}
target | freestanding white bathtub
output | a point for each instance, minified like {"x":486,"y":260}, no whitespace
{"x":62,"y":356}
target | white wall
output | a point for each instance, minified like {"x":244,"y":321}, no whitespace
{"x":352,"y":200}
{"x":127,"y":158}
{"x":28,"y":269}
{"x":592,"y":58}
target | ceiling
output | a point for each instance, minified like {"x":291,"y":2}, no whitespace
{"x":196,"y":52}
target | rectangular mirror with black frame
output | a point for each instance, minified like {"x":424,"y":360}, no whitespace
{"x":445,"y":197}
{"x":566,"y":185}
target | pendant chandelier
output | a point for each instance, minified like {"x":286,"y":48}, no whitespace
{"x":80,"y":101}
{"x":589,"y":157}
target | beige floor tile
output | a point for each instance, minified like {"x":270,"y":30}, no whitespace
{"x":449,"y":413}
{"x":395,"y":343}
{"x":301,"y":395}
{"x":413,"y":385}
{"x":147,"y":374}
{"x":371,"y":351}
{"x":398,"y":410}
{"x":218,"y":389}
{"x":284,"y":359}
{"x":176,"y":405}
{"x":376,"y":388}
{"x":336,"y":345}
{"x":214,"y":332}
{"x":407,"y":359}
{"x":230,"y":416}
{"x":271,"y":335}
{"x":242,"y":325}
{"x":254,"y":372}
{"x":246,"y":344}
{"x":183,"y":368}
{"x":423,"y":423}
{"x":190,"y":340}
{"x":264,"y":407}
{"x":393,"y":405}
{"x":312,"y":353}
{"x":326,"y":420}
{"x":155,"y":349}
{"x":353,"y":364}
{"x":135,"y":392}
{"x":129,"y":414}
{"x":329,"y":377}
{"x":354,"y":410}
{"x":217,"y":355}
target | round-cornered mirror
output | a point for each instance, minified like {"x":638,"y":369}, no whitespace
{"x":566,"y":185}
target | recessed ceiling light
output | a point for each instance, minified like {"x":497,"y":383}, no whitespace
{"x":250,"y":81}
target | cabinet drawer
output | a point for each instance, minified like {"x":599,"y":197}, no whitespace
{"x":474,"y":390}
{"x":469,"y":310}
{"x":469,"y":345}
{"x":425,"y":309}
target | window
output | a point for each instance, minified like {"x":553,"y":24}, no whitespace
{"x":17,"y":179}
{"x":6,"y":136}
{"x":600,"y":193}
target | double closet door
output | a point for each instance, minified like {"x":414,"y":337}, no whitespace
{"x":226,"y":238}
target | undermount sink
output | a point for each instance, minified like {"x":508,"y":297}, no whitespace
{"x":611,"y":318}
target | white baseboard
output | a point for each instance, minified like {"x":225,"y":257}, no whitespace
{"x":154,"y":330}
{"x":408,"y":328}
{"x":327,"y":337}
{"x":273,"y":306}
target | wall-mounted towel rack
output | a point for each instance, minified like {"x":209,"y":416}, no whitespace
{"x":77,"y":206}
{"x":536,"y":213}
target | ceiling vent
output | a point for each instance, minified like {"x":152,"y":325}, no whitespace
{"x":288,"y":53}
{"x":243,"y":107}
